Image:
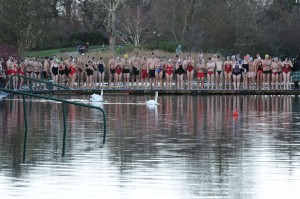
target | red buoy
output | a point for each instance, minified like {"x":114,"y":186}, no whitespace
{"x":235,"y":113}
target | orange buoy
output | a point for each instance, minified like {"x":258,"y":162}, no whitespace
{"x":235,"y":113}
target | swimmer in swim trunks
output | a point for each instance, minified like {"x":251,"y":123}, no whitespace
{"x":274,"y":68}
{"x":95,"y":67}
{"x":20,"y":71}
{"x":280,"y":75}
{"x":151,"y":63}
{"x":210,"y":66}
{"x":158,"y":73}
{"x":136,"y":65}
{"x":259,"y":72}
{"x":251,"y":74}
{"x":144,"y":75}
{"x":219,"y":73}
{"x":81,"y":61}
{"x":46,"y":68}
{"x":11,"y":70}
{"x":37,"y":68}
{"x":266,"y":71}
{"x":200,"y":67}
{"x":126,"y":70}
{"x":29,"y":68}
{"x":111,"y":74}
{"x":61,"y":72}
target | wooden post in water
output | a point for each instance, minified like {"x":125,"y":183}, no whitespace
{"x":65,"y":129}
{"x":26,"y":128}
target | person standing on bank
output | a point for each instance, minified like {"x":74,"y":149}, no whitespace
{"x":200,"y":68}
{"x":144,"y":75}
{"x":101,"y":71}
{"x":136,"y":65}
{"x":286,"y":72}
{"x":227,"y":72}
{"x":266,"y":71}
{"x":151,"y":69}
{"x":126,"y":70}
{"x":236,"y":74}
{"x":112,"y":71}
{"x":295,"y":69}
{"x":169,"y":74}
{"x":219,"y":73}
{"x":210,"y":66}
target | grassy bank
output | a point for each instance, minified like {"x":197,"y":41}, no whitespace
{"x":100,"y":51}
{"x":58,"y":51}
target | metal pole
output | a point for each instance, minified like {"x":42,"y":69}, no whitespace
{"x":26,"y":127}
{"x":65,"y":129}
{"x":104,"y":125}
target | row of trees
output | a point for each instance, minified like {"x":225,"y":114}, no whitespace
{"x":225,"y":26}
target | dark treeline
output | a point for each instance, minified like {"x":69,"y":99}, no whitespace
{"x":225,"y":26}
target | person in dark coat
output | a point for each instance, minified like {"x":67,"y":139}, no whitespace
{"x":296,"y":71}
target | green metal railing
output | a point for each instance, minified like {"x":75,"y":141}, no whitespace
{"x":50,"y":85}
{"x":64,"y":102}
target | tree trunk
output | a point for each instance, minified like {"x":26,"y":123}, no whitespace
{"x":112,"y":38}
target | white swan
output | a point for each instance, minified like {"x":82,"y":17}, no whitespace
{"x":96,"y":97}
{"x":153,"y":102}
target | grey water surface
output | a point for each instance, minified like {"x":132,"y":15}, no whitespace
{"x":185,"y":147}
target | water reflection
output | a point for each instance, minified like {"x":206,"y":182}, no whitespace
{"x":186,"y":147}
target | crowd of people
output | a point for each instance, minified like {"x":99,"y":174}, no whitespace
{"x":152,"y":72}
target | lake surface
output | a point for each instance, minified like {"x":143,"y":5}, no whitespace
{"x":186,"y":147}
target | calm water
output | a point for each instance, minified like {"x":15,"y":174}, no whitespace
{"x":186,"y":147}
